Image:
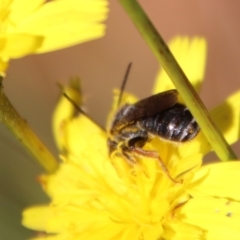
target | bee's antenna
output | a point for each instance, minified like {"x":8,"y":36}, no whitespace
{"x":73,"y":103}
{"x":80,"y":110}
{"x":124,"y":83}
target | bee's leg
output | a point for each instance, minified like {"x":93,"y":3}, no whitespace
{"x":130,"y":159}
{"x":152,"y":154}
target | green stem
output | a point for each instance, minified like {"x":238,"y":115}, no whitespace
{"x":19,"y":127}
{"x":179,"y":79}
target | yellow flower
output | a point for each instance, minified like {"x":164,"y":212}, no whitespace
{"x":94,"y":197}
{"x":38,"y":26}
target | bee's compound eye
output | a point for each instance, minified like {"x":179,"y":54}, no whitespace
{"x":112,"y":146}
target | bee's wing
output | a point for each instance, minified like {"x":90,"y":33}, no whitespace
{"x":151,"y":106}
{"x":145,"y":108}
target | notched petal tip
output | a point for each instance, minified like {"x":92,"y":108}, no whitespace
{"x":66,"y":23}
{"x":191,"y":55}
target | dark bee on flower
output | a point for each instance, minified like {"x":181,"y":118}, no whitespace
{"x":160,"y":115}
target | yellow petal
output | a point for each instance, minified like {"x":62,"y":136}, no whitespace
{"x":65,"y":111}
{"x":21,"y":9}
{"x":84,"y":137}
{"x":19,"y":45}
{"x":3,"y":67}
{"x":38,"y":218}
{"x":39,"y":26}
{"x":219,"y":218}
{"x":227,"y":117}
{"x":51,"y":220}
{"x":190,"y":155}
{"x":219,"y":180}
{"x":182,"y":231}
{"x":66,"y":23}
{"x":191,"y":56}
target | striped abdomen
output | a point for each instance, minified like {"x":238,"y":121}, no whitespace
{"x":174,"y":124}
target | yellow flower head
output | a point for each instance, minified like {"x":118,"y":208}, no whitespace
{"x":38,"y":26}
{"x":95,"y":197}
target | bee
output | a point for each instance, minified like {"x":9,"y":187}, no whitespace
{"x":160,"y":115}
